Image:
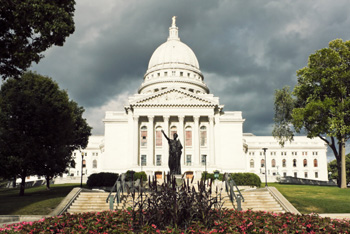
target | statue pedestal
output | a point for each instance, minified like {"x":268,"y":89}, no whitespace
{"x":178,"y":179}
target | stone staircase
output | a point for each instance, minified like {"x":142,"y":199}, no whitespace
{"x":90,"y":202}
{"x":255,"y":199}
{"x":260,"y":200}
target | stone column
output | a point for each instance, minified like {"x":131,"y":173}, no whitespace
{"x":136,"y":144}
{"x":150,"y":158}
{"x":165,"y":145}
{"x":210,"y":135}
{"x":181,"y":138}
{"x":196,"y":156}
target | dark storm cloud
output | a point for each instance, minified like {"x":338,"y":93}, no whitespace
{"x":246,"y":49}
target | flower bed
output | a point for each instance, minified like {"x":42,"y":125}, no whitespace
{"x":226,"y":221}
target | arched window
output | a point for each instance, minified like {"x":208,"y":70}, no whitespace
{"x":188,"y":135}
{"x":262,"y":163}
{"x":251,"y":163}
{"x":305,"y":162}
{"x":143,"y":136}
{"x":294,"y":163}
{"x":159,"y":136}
{"x":173,"y":130}
{"x":284,"y":163}
{"x":203,"y":136}
{"x":273,"y":163}
{"x":315,"y":163}
{"x":94,"y":164}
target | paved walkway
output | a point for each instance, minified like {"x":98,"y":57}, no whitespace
{"x":336,"y":216}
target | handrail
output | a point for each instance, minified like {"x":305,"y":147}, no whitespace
{"x":118,"y":187}
{"x":230,"y":184}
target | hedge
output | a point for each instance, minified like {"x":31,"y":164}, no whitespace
{"x":246,"y":179}
{"x":102,"y":179}
{"x":137,"y":175}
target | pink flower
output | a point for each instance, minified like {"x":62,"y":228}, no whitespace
{"x":154,"y":226}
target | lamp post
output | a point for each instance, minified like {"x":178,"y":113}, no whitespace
{"x":82,"y":160}
{"x":264,"y":149}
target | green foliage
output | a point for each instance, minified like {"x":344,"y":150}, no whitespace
{"x":210,"y":176}
{"x":322,"y":99}
{"x":250,"y":179}
{"x":102,"y":179}
{"x":28,"y":28}
{"x":229,"y":221}
{"x":39,"y":128}
{"x":332,"y":167}
{"x":137,"y":175}
{"x":283,"y":106}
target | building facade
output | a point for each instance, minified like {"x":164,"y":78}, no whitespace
{"x":174,"y":98}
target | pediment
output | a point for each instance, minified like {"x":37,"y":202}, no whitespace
{"x":173,"y":97}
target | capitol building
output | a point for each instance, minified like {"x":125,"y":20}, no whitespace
{"x":173,"y":97}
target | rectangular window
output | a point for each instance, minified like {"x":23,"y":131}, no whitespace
{"x":295,"y":174}
{"x":188,"y":138}
{"x":204,"y":159}
{"x":143,"y":138}
{"x":173,"y":73}
{"x":203,"y":137}
{"x":143,"y":160}
{"x":316,"y":174}
{"x":159,"y":160}
{"x":284,"y":174}
{"x":165,"y":73}
{"x":96,"y":154}
{"x":188,"y":160}
{"x":181,"y":73}
{"x":158,"y":74}
{"x":305,"y":174}
{"x":158,"y":138}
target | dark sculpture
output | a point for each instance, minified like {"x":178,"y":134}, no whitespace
{"x":175,"y":151}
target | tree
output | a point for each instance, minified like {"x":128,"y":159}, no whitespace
{"x":39,"y":128}
{"x":321,"y":103}
{"x":27,"y":28}
{"x":333,"y":169}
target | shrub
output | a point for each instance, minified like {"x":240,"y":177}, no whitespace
{"x":102,"y":179}
{"x":246,"y":179}
{"x":207,"y":176}
{"x":137,"y":175}
{"x":171,"y":204}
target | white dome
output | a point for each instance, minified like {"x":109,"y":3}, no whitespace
{"x":173,"y":64}
{"x":171,"y":54}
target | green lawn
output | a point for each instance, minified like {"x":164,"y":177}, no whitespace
{"x":316,"y":199}
{"x":36,"y":201}
{"x":306,"y":198}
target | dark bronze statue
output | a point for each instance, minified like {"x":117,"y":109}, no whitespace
{"x":175,"y":151}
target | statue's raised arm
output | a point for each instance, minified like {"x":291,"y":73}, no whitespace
{"x":165,"y":135}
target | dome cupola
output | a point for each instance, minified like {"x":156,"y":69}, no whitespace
{"x":173,"y":63}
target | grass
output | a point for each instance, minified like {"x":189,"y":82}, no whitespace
{"x":36,"y":201}
{"x":316,"y":199}
{"x":306,"y":198}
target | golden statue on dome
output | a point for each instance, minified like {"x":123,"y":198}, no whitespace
{"x":174,"y":22}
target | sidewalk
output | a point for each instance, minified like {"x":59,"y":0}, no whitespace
{"x":336,"y":216}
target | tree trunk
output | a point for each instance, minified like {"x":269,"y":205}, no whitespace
{"x":23,"y":185}
{"x":343,"y":165}
{"x":14,"y":182}
{"x":47,"y":182}
{"x":339,"y":173}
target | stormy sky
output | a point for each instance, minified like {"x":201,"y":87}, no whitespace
{"x":246,"y":49}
